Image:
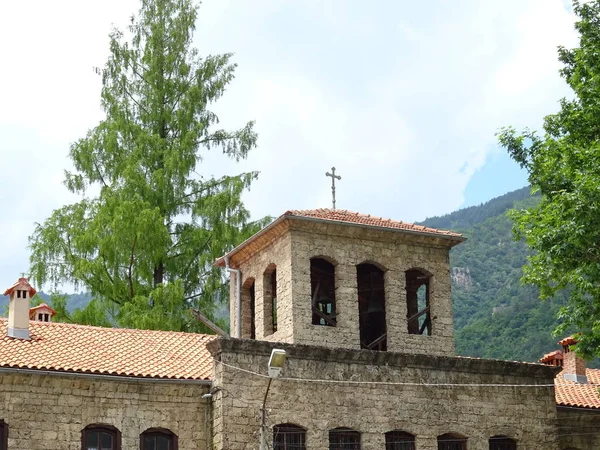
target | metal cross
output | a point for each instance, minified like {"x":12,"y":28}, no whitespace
{"x":333,"y":178}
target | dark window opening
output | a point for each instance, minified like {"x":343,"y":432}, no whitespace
{"x":40,"y":317}
{"x":322,"y":282}
{"x":289,"y":437}
{"x":344,"y":439}
{"x":248,"y":310}
{"x":399,"y":440}
{"x":371,"y":307}
{"x":417,"y":302}
{"x":270,"y":300}
{"x":3,"y":435}
{"x":18,"y":294}
{"x":502,"y":443}
{"x":158,"y":439}
{"x":46,"y":317}
{"x":450,"y":441}
{"x":100,"y":437}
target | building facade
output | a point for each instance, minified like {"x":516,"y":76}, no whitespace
{"x":360,"y":306}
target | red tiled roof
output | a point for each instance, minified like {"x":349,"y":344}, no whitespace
{"x":342,"y":215}
{"x":548,"y":357}
{"x":570,"y":393}
{"x":568,"y":341}
{"x":21,"y":282}
{"x":41,"y":306}
{"x":109,"y":351}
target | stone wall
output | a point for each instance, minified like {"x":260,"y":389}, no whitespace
{"x":395,"y":253}
{"x":317,"y":396}
{"x":578,"y":428}
{"x":347,"y":246}
{"x":48,"y":412}
{"x":277,"y":254}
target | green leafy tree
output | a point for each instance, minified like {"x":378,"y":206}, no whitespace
{"x":563,"y":164}
{"x":144,"y":246}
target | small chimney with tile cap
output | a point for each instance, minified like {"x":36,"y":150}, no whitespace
{"x":18,"y":308}
{"x":573,"y":365}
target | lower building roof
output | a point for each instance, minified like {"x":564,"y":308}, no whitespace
{"x":108,"y":351}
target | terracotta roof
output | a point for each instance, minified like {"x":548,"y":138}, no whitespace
{"x":567,"y":341}
{"x":33,"y":310}
{"x":548,"y":357}
{"x":109,"y":351}
{"x":21,"y":282}
{"x":570,"y":393}
{"x":342,"y":215}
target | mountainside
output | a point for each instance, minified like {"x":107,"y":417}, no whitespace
{"x":495,"y":316}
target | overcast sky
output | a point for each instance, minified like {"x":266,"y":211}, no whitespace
{"x":403,"y":97}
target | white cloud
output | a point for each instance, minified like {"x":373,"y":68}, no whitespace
{"x":403,"y":98}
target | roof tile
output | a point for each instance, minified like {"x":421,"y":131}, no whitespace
{"x":342,"y":215}
{"x":109,"y":351}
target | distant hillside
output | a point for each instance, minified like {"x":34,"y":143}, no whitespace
{"x":74,"y":301}
{"x":495,"y":316}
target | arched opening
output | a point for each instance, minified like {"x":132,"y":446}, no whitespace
{"x":100,"y":437}
{"x":452,"y":441}
{"x":248,"y":309}
{"x":270,"y":299}
{"x":322,"y":283}
{"x":371,"y":307}
{"x":417,"y":302}
{"x":288,"y":436}
{"x":344,"y":439}
{"x":399,"y":440}
{"x":502,"y":443}
{"x":158,"y":439}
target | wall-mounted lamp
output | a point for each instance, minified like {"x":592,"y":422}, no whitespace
{"x":276,"y":362}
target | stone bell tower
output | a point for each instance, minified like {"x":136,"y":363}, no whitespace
{"x":341,"y":279}
{"x":18,"y":308}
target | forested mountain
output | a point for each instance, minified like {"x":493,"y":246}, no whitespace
{"x":495,"y":316}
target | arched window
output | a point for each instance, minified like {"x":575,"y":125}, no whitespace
{"x":452,"y":441}
{"x":417,"y":302}
{"x":270,"y":299}
{"x":3,"y":435}
{"x":399,"y":440}
{"x":502,"y":443}
{"x":371,"y":307}
{"x":100,"y":437}
{"x":344,"y":439}
{"x":158,"y":439}
{"x":248,"y":309}
{"x":288,"y":436}
{"x":322,"y":282}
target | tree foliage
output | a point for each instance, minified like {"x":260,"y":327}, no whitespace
{"x":564,"y":166}
{"x":145,"y":244}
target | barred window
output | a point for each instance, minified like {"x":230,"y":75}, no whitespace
{"x":100,"y":437}
{"x":502,"y":443}
{"x":158,"y":439}
{"x":452,"y":441}
{"x":288,"y":436}
{"x":344,"y":439}
{"x":399,"y":440}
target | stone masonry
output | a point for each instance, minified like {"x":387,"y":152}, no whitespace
{"x":48,"y":412}
{"x":325,"y":388}
{"x":347,"y":246}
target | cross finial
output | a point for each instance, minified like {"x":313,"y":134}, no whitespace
{"x":333,"y":178}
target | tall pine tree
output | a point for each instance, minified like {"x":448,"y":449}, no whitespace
{"x":144,"y":246}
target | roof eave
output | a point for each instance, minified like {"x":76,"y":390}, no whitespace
{"x":457,"y":239}
{"x":220,"y":262}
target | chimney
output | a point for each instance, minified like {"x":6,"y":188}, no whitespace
{"x":554,"y":358}
{"x":18,"y":308}
{"x":573,"y":365}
